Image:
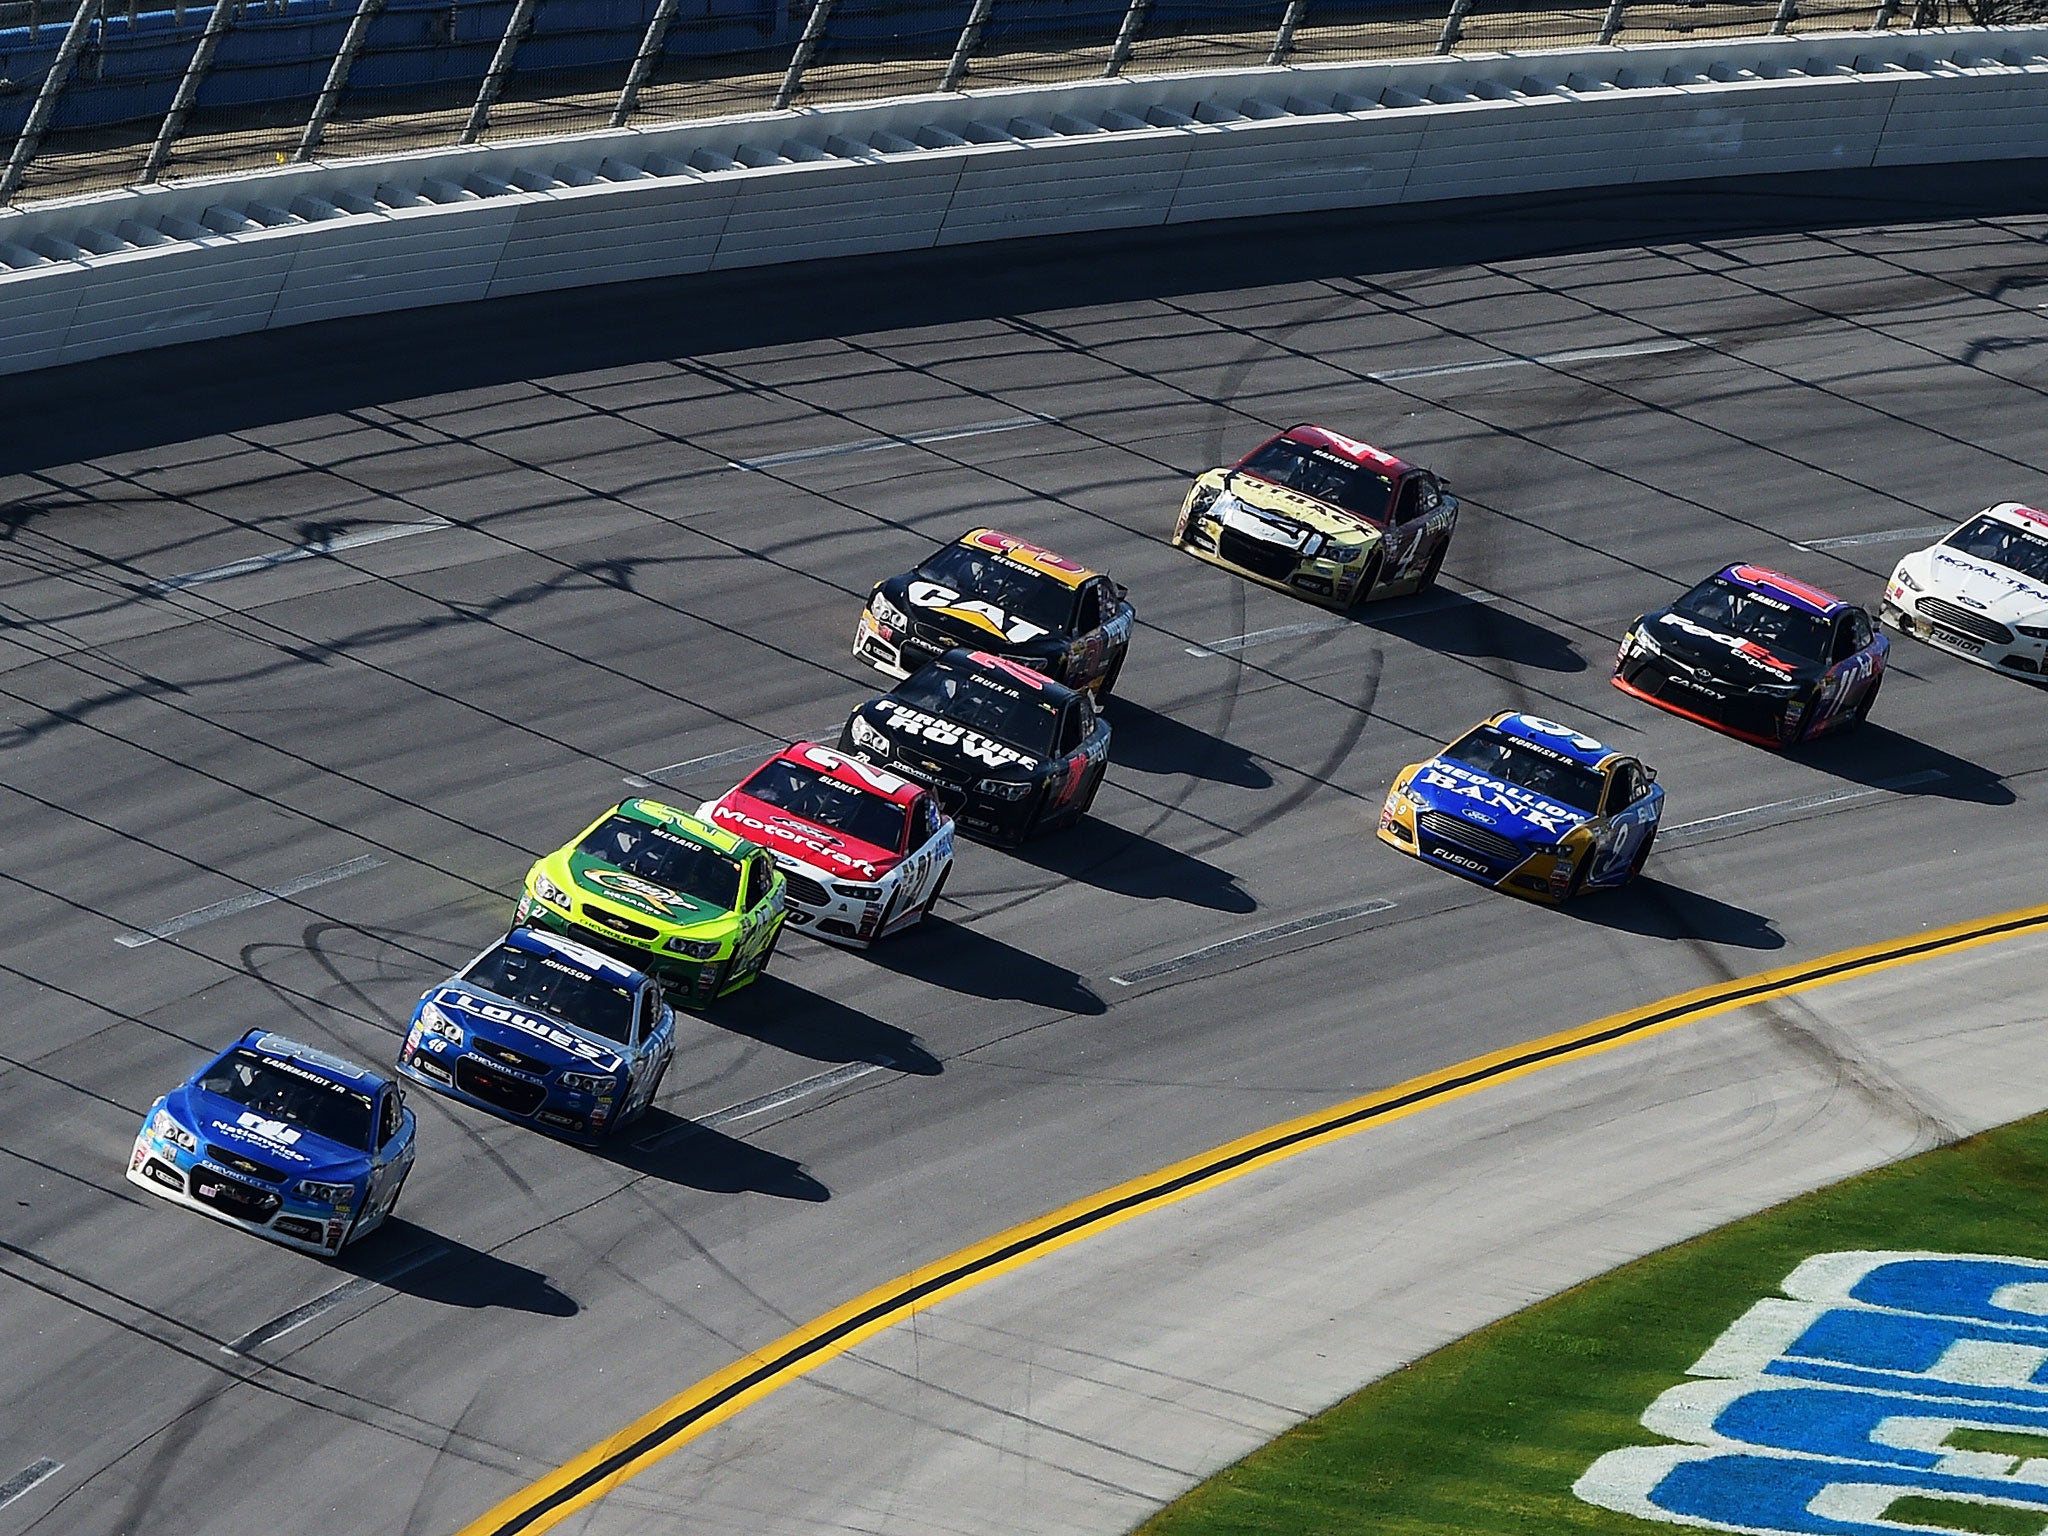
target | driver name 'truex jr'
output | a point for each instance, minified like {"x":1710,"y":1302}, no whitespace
{"x":1527,"y":806}
{"x":675,"y":896}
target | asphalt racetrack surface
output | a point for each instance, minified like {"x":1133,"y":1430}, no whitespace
{"x":304,"y":786}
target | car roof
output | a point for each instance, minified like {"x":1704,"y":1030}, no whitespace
{"x":2020,"y":515}
{"x":1787,"y":589}
{"x":1552,"y":737}
{"x":322,"y":1064}
{"x":682,"y":824}
{"x":1033,"y":557}
{"x":1347,"y":448}
{"x":537,"y":941}
{"x":1010,"y":671}
{"x":840,"y":768}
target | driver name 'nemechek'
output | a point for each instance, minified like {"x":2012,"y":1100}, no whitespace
{"x":944,"y":733}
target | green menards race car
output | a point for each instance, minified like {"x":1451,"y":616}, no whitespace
{"x":665,"y":892}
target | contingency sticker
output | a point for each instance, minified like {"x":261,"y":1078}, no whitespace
{"x":1883,"y":1392}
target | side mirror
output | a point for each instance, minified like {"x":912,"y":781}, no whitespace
{"x":1650,"y":774}
{"x":1122,"y":591}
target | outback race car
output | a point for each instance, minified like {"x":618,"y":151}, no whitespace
{"x":865,"y":853}
{"x":1527,"y":806}
{"x":545,"y":1032}
{"x":1322,"y":517}
{"x":1757,"y":655}
{"x":1981,"y":593}
{"x":1009,"y":752}
{"x":665,"y":892}
{"x":994,"y":593}
{"x":282,"y":1140}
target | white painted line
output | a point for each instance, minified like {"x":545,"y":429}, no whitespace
{"x":1541,"y":360}
{"x":728,"y":759}
{"x":298,"y":1317}
{"x":1803,"y":803}
{"x":747,"y":1109}
{"x":333,"y":546}
{"x":201,"y":915}
{"x":30,"y":1476}
{"x":1236,"y":643}
{"x":1889,"y":536}
{"x":1246,"y":941}
{"x":910,"y":440}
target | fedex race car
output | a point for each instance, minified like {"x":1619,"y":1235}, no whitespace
{"x":864,"y":852}
{"x":1009,"y":752}
{"x":282,"y":1140}
{"x":1758,"y":655}
{"x":665,"y":892}
{"x":1322,"y":517}
{"x":546,"y":1033}
{"x":1981,"y":593}
{"x":1527,"y":806}
{"x":994,"y":593}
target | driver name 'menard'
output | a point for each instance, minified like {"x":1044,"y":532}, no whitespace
{"x":1457,"y":779}
{"x":944,"y":733}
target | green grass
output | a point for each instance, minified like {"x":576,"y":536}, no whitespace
{"x":1488,"y":1434}
{"x":1979,"y":1519}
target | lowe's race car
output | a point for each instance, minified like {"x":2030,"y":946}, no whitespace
{"x":282,"y":1140}
{"x":547,"y":1033}
{"x":666,"y":893}
{"x":1009,"y":752}
{"x":1527,"y":806}
{"x":997,"y":594}
{"x":1758,"y":655}
{"x":1322,"y":517}
{"x":864,"y":853}
{"x":1981,"y":593}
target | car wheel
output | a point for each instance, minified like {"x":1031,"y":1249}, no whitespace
{"x":1861,"y":712}
{"x":1108,"y":683}
{"x":355,"y":1226}
{"x":1363,"y":593}
{"x":932,"y":900}
{"x":1635,"y":865}
{"x":1579,"y":869}
{"x":1429,"y":572}
{"x":653,"y":1092}
{"x":769,"y":953}
{"x":1086,"y":802}
{"x":719,"y":982}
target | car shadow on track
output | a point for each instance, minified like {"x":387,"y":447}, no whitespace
{"x":675,"y":1150}
{"x":943,"y":953}
{"x":1104,"y":855}
{"x":1460,"y":626}
{"x":807,"y":1024}
{"x":396,"y":1258}
{"x":1648,"y":906}
{"x":1884,"y":759}
{"x":1150,"y":742}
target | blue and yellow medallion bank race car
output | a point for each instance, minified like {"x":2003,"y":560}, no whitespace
{"x":282,"y":1140}
{"x":1528,"y":806}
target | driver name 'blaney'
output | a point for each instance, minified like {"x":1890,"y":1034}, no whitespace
{"x":944,"y":733}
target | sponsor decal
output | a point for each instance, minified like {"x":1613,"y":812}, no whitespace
{"x":1032,"y":555}
{"x":279,"y":1131}
{"x":935,"y":597}
{"x":1884,"y":1391}
{"x":1361,"y":453}
{"x":644,"y":893}
{"x":946,"y":733}
{"x":1749,"y":650}
{"x":827,"y":849}
{"x":1813,"y":597}
{"x":1462,"y":860}
{"x":1457,"y":779}
{"x":526,"y":1023}
{"x":1984,"y":570}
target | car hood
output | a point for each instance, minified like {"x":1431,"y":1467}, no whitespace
{"x":801,"y":840}
{"x":940,"y":613}
{"x":239,"y":1129}
{"x":504,"y":1022}
{"x":1263,"y":510}
{"x":1740,"y":661}
{"x":1992,"y":590}
{"x":594,"y":877}
{"x":1509,"y":809}
{"x":918,"y":737}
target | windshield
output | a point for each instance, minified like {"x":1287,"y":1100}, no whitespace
{"x":1324,"y":475}
{"x":664,"y":859}
{"x":1550,"y":774}
{"x":549,"y":986}
{"x":1019,"y":591}
{"x":278,"y":1091}
{"x":1777,"y":626}
{"x":1997,"y":543}
{"x":815,"y":797}
{"x":1013,"y":713}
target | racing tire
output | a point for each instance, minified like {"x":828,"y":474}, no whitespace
{"x":389,"y":1206}
{"x":1635,"y":865}
{"x":1104,"y":688}
{"x":1578,"y":880}
{"x":719,"y":983}
{"x":931,"y":902}
{"x":761,"y":968}
{"x":1861,"y":712}
{"x":1427,"y":579}
{"x":1371,"y":579}
{"x":653,"y":1092}
{"x":1086,"y":802}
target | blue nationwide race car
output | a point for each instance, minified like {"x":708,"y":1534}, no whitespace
{"x":546,"y":1032}
{"x":1527,"y":806}
{"x":282,"y":1140}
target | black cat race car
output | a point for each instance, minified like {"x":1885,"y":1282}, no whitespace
{"x":1009,"y":751}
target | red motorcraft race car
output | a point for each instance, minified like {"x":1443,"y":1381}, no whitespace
{"x":865,"y":853}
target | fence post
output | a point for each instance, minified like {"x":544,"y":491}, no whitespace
{"x":352,"y":42}
{"x":970,"y":39}
{"x":1788,"y":12}
{"x":1610,"y":26}
{"x":806,"y":46}
{"x":218,"y":20}
{"x":644,"y":61}
{"x":487,"y":94}
{"x":1283,"y":40}
{"x":45,"y":106}
{"x":1886,"y":10}
{"x":1454,"y":25}
{"x":1126,"y":39}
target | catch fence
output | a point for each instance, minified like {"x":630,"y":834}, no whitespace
{"x":106,"y":93}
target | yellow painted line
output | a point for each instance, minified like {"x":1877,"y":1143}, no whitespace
{"x":718,"y":1397}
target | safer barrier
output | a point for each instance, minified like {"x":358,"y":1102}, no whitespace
{"x":162,"y":265}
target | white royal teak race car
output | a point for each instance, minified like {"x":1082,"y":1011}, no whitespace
{"x":1981,"y":593}
{"x":864,"y":852}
